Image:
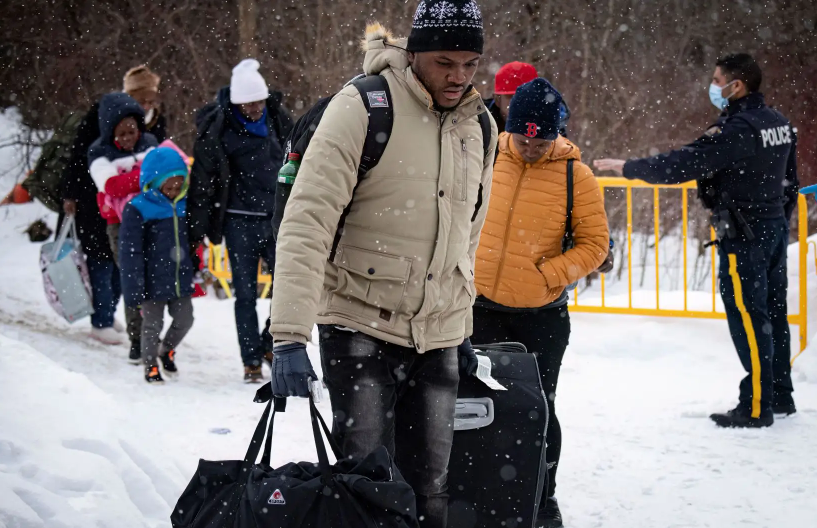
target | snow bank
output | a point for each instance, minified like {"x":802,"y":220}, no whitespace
{"x":67,"y":452}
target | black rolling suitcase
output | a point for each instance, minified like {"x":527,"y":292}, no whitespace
{"x":498,"y":469}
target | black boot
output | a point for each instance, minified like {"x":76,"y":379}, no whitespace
{"x":741,"y":417}
{"x":135,"y":356}
{"x":784,"y":408}
{"x":169,"y":363}
{"x":549,"y":516}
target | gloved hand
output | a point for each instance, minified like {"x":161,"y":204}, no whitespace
{"x":291,"y":370}
{"x":266,"y":338}
{"x":610,"y":261}
{"x":468,"y":358}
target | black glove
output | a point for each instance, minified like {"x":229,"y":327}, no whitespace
{"x":266,"y":338}
{"x":468,"y":358}
{"x":609,"y":261}
{"x":291,"y":371}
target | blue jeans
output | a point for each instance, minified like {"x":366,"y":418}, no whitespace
{"x":385,"y":394}
{"x":248,"y":239}
{"x":106,"y":289}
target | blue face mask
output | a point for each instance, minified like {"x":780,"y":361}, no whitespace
{"x":716,"y":96}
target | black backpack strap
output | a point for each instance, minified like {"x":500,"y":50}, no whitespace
{"x":485,"y":125}
{"x":567,"y":243}
{"x":376,"y":97}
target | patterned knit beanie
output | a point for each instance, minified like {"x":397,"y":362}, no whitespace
{"x":446,"y":25}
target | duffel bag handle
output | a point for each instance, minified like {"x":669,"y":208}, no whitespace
{"x":509,"y":348}
{"x":264,"y":395}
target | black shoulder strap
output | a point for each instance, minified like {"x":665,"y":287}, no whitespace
{"x":376,"y":96}
{"x":568,"y":241}
{"x":485,"y":125}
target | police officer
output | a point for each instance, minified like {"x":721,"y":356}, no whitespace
{"x":747,"y":177}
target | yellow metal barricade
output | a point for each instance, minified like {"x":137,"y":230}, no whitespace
{"x":799,"y":318}
{"x":218,"y":264}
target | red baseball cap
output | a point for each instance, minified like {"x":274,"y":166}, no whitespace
{"x":512,"y":76}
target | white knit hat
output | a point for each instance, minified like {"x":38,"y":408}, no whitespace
{"x":246,"y":84}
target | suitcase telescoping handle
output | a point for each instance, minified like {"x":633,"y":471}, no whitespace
{"x":473,"y":413}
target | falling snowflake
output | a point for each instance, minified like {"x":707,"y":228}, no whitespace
{"x":471,"y":10}
{"x":443,"y":10}
{"x":421,"y":10}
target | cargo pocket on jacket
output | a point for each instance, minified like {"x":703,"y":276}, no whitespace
{"x":463,"y":293}
{"x":376,"y":279}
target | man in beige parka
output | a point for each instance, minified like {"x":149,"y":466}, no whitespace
{"x":394,"y":302}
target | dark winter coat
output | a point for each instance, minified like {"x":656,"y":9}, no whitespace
{"x":234,"y":169}
{"x":77,"y":185}
{"x":158,"y":127}
{"x":154,"y":250}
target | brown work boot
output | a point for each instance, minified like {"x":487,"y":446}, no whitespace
{"x":253,"y":374}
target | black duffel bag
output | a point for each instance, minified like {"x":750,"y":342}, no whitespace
{"x":366,"y":493}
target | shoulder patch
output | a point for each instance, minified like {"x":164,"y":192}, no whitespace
{"x":715,"y":130}
{"x":378,"y":99}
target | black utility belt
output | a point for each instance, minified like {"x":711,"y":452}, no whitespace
{"x":731,"y":223}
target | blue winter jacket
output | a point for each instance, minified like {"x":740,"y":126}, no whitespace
{"x":153,"y":249}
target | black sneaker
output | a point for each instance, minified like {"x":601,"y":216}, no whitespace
{"x":168,"y":365}
{"x":739,"y":417}
{"x":549,"y":516}
{"x":253,"y":374}
{"x":135,"y":356}
{"x":152,"y":375}
{"x":785,"y":409}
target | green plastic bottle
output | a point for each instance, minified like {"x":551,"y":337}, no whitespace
{"x":290,"y":169}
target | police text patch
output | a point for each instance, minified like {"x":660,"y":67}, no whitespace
{"x":775,"y":136}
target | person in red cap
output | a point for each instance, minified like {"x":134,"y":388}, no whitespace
{"x":509,"y":77}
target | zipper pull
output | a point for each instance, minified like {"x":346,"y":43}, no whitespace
{"x":464,"y":148}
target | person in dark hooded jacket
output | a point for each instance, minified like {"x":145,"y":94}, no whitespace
{"x":238,"y":153}
{"x":114,"y":160}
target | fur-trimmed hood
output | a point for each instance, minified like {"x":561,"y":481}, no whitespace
{"x":383,"y":50}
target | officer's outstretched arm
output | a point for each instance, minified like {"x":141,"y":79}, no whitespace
{"x":715,"y":150}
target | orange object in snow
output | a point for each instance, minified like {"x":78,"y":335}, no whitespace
{"x":18,"y":195}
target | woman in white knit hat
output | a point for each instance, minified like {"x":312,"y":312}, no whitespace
{"x":232,"y":190}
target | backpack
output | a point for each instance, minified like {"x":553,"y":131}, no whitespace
{"x":375,"y":94}
{"x":44,"y":181}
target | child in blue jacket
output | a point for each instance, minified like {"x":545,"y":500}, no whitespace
{"x":153,"y":252}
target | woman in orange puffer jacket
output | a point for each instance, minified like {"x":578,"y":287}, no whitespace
{"x":522,"y":269}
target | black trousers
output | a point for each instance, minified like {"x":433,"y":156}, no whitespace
{"x":545,"y":333}
{"x":754,"y":283}
{"x":385,"y":394}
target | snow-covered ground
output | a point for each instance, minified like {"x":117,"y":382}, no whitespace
{"x":85,"y":442}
